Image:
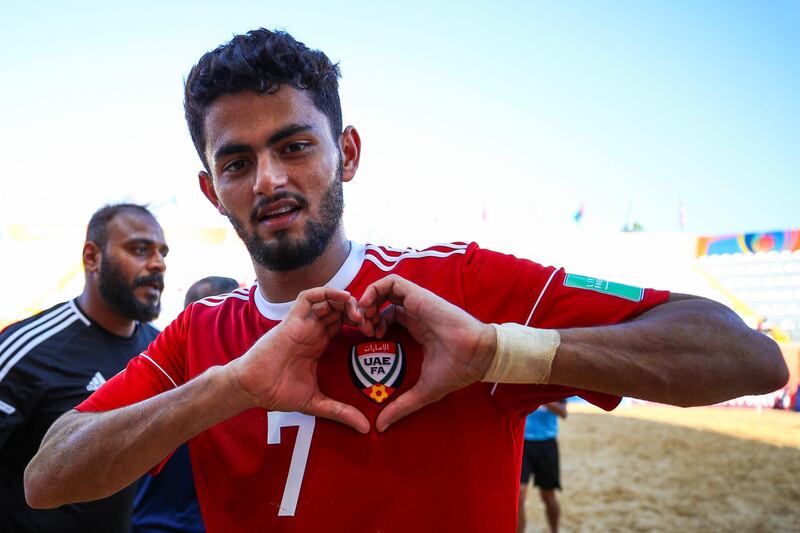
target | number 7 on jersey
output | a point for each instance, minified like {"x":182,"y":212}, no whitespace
{"x":276,"y":420}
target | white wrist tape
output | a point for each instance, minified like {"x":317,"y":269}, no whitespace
{"x":524,"y":355}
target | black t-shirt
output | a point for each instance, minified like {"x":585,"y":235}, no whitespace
{"x":49,"y":363}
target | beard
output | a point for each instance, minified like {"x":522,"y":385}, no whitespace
{"x":286,"y":253}
{"x":118,"y":293}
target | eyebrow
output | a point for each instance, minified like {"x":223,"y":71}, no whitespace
{"x":147,"y":242}
{"x":286,"y":131}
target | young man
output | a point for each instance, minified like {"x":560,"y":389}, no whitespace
{"x":266,"y":380}
{"x":168,"y":502}
{"x":540,"y":460}
{"x":54,"y":360}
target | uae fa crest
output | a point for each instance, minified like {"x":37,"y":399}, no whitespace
{"x":377,"y":368}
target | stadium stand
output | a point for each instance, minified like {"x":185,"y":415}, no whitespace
{"x":764,"y":285}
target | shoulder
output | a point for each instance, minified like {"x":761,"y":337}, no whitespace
{"x":148,"y":332}
{"x":387,"y":258}
{"x":55,"y":325}
{"x":234,"y":298}
{"x":221,"y":306}
{"x":36,"y":342}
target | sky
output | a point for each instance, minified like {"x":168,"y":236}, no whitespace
{"x":474,"y":116}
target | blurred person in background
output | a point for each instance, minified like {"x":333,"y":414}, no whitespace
{"x":210,"y":286}
{"x":540,"y":460}
{"x":54,"y":360}
{"x":168,"y":502}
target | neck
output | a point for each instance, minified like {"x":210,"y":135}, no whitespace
{"x":285,"y":286}
{"x":96,"y":308}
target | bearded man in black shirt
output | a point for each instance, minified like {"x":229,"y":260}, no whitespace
{"x":54,"y":360}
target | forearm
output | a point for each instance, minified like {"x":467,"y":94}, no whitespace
{"x":684,"y":352}
{"x":86,"y":456}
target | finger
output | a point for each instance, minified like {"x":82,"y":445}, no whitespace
{"x":386,"y":318}
{"x":340,"y":412}
{"x":392,"y":288}
{"x":366,"y":327}
{"x":326,"y":314}
{"x":404,"y":405}
{"x":369,"y":313}
{"x":304,"y":304}
{"x":322,"y":294}
{"x":352,"y":310}
{"x":352,"y":316}
{"x":332,"y":318}
{"x":322,"y":309}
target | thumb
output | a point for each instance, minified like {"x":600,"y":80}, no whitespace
{"x":343,"y":413}
{"x":405,"y":404}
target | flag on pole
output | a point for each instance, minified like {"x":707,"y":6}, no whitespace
{"x":578,"y":214}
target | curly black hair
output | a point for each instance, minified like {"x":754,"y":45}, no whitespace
{"x":260,"y":60}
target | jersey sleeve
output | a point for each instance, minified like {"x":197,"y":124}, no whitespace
{"x":22,"y":384}
{"x":501,"y":288}
{"x":572,"y":301}
{"x":161,"y":367}
{"x":158,"y":369}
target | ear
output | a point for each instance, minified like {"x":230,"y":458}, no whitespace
{"x":207,"y":186}
{"x":92,"y":256}
{"x":350,"y":145}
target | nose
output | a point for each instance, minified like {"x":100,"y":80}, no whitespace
{"x":270,"y":176}
{"x":156,"y":262}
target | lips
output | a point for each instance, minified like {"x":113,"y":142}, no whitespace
{"x":155,"y":282}
{"x":278,"y":209}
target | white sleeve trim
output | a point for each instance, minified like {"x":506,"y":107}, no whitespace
{"x":539,"y":299}
{"x":159,"y":367}
{"x":530,"y":315}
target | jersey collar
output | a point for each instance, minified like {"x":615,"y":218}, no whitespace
{"x":341,"y":280}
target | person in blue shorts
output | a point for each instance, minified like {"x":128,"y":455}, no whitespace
{"x":540,"y":460}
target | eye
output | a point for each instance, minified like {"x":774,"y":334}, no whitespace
{"x":236,"y":165}
{"x":295,"y":147}
{"x":139,"y":250}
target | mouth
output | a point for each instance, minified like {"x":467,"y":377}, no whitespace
{"x":279,"y":215}
{"x":152,"y":287}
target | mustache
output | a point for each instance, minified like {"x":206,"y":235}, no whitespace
{"x":264,"y":202}
{"x":153,"y":279}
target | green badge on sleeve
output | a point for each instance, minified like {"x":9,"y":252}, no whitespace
{"x":634,"y":294}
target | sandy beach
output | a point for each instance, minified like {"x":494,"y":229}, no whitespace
{"x":658,"y":468}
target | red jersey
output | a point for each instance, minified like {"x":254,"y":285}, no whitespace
{"x":453,"y":465}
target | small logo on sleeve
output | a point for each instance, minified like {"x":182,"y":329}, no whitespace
{"x":628,"y":292}
{"x":96,"y":382}
{"x":377,"y":368}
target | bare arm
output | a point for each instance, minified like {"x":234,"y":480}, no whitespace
{"x":86,"y":456}
{"x":688,"y":351}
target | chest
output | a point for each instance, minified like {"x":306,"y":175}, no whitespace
{"x":80,"y":368}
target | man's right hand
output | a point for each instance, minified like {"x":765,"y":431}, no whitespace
{"x":279,"y":372}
